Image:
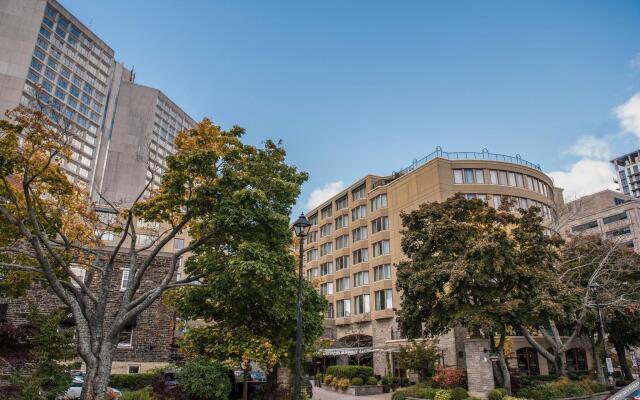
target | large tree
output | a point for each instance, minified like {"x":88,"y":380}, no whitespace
{"x":471,"y":265}
{"x":214,"y":188}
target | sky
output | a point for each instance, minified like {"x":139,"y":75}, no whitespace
{"x":359,"y":87}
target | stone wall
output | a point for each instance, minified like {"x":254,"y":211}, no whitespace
{"x":479,"y":369}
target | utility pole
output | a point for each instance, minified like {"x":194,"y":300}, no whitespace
{"x":595,"y":288}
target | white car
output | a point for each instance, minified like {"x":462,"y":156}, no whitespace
{"x":77,"y":382}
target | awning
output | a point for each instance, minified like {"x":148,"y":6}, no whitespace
{"x":349,"y":351}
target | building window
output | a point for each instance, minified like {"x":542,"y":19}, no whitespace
{"x":125,"y":279}
{"x":312,"y":237}
{"x":314,"y":219}
{"x":133,"y":369}
{"x":125,"y":337}
{"x":359,"y":192}
{"x":617,"y":201}
{"x":329,"y":312}
{"x":342,"y":202}
{"x":383,"y":300}
{"x":312,"y":255}
{"x":576,"y":359}
{"x":360,"y":256}
{"x":342,"y":241}
{"x":497,"y":201}
{"x":457,"y":176}
{"x":80,"y":273}
{"x":358,"y":213}
{"x":479,"y":175}
{"x":325,"y":229}
{"x":342,"y":284}
{"x":379,"y":224}
{"x":326,"y":288}
{"x":359,"y":234}
{"x":343,"y":308}
{"x":619,"y":232}
{"x":326,"y":248}
{"x":360,"y":278}
{"x":312,"y":273}
{"x":362,"y":303}
{"x":378,"y":202}
{"x":342,"y":263}
{"x":585,"y":226}
{"x":382,"y":272}
{"x":342,"y":221}
{"x":326,"y":212}
{"x":326,"y":268}
{"x":381,"y":248}
{"x":613,"y":218}
{"x":527,"y":361}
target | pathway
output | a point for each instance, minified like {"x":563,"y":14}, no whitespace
{"x":322,"y":394}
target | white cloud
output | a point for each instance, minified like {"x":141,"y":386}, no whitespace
{"x":629,"y":115}
{"x":320,"y":194}
{"x":591,"y":147}
{"x":584,"y":177}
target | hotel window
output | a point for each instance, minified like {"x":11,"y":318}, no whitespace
{"x":494,"y":176}
{"x":342,"y":221}
{"x":133,"y":369}
{"x":619,"y":232}
{"x":312,"y":255}
{"x":457,"y":176}
{"x":125,"y":337}
{"x":362,"y":304}
{"x":325,"y":230}
{"x":359,"y":192}
{"x":312,"y":273}
{"x":384,"y":300}
{"x":326,"y":249}
{"x":380,"y":201}
{"x":312,"y":237}
{"x":329,"y":312}
{"x":343,"y":308}
{"x":359,"y":234}
{"x":614,"y":218}
{"x":530,"y":183}
{"x":342,"y":284}
{"x":342,"y":263}
{"x":360,"y":278}
{"x":381,"y":248}
{"x":326,"y":288}
{"x":511,"y":178}
{"x":124,"y":281}
{"x":326,"y":268}
{"x":342,"y":203}
{"x":379,"y":224}
{"x":358,"y":213}
{"x":479,"y":175}
{"x":360,"y":256}
{"x":178,"y":244}
{"x":468,"y":176}
{"x":314,"y":219}
{"x":502,"y":177}
{"x":326,"y":212}
{"x":497,"y":201}
{"x":342,"y":241}
{"x":519,"y":180}
{"x":585,"y":226}
{"x":382,"y":272}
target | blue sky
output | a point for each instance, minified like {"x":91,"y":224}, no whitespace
{"x":553,"y":81}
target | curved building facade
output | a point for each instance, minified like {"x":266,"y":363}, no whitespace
{"x":354,"y":244}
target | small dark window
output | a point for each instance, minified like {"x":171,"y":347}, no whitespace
{"x":133,"y":369}
{"x":618,"y":200}
{"x":585,"y":226}
{"x":614,"y":218}
{"x":4,"y":308}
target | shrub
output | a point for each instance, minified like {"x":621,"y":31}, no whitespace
{"x":357,"y":381}
{"x":497,"y":394}
{"x":386,"y":380}
{"x":459,"y":393}
{"x":426,"y":393}
{"x":442,"y":395}
{"x":449,"y":377}
{"x":205,"y":379}
{"x":344,"y":383}
{"x":372,"y":381}
{"x":335,"y":382}
{"x":328,"y":379}
{"x":592,"y":386}
{"x":142,"y":394}
{"x":399,"y":395}
{"x":131,"y":382}
{"x":350,"y":371}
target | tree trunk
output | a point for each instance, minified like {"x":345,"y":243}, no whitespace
{"x":98,"y":375}
{"x":556,"y":358}
{"x":622,"y":359}
{"x":245,"y":384}
{"x":596,"y":359}
{"x":506,"y":375}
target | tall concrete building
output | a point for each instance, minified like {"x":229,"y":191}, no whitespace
{"x":355,"y":242}
{"x":120,"y":130}
{"x":628,"y":171}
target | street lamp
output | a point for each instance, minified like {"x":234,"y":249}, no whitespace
{"x":301,"y":229}
{"x":595,"y":288}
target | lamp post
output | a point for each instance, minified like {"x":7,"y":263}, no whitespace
{"x":301,"y":229}
{"x":595,"y":288}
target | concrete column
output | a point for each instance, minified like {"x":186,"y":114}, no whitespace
{"x":479,"y":369}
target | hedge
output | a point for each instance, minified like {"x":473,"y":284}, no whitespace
{"x":131,"y":381}
{"x":350,"y":372}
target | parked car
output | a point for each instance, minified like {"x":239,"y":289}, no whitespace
{"x":77,"y":382}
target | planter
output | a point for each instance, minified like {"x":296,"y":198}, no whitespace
{"x":364,"y":390}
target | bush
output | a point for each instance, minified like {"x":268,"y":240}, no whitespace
{"x":561,"y":388}
{"x":386,"y":380}
{"x":372,"y":380}
{"x":350,"y":371}
{"x":497,"y":394}
{"x":443,"y":395}
{"x":328,"y":379}
{"x":131,"y":382}
{"x":427,"y":393}
{"x":335,"y":382}
{"x":344,"y":383}
{"x":400,"y":394}
{"x":142,"y":394}
{"x":205,"y":379}
{"x":449,"y":377}
{"x":357,"y":381}
{"x":459,"y":393}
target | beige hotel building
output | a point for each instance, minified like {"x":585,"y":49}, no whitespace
{"x":354,"y":244}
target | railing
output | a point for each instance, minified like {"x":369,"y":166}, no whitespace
{"x":466,"y":155}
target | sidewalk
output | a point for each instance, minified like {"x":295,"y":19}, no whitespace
{"x":322,"y":394}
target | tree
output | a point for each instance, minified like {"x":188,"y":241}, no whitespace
{"x":215,"y":187}
{"x":624,"y":332}
{"x":205,"y":380}
{"x":473,"y":266}
{"x":419,"y":356}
